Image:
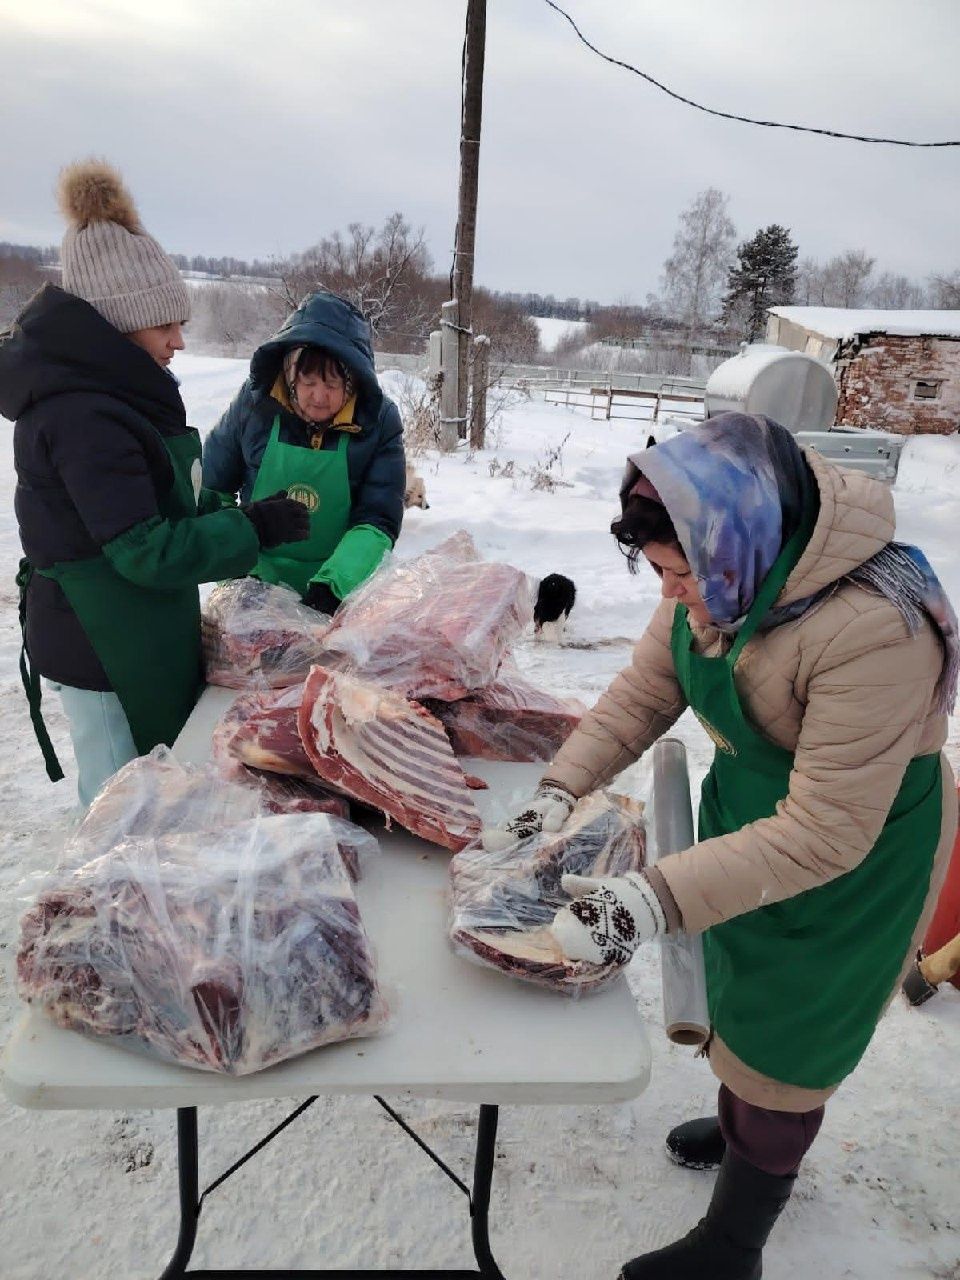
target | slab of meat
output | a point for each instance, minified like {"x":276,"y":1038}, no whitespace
{"x":227,"y":951}
{"x":435,"y":627}
{"x":260,"y":730}
{"x":256,"y":635}
{"x":503,"y":903}
{"x":510,"y":719}
{"x":388,"y":753}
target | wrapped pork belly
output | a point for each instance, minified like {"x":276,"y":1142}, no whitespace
{"x":502,"y":904}
{"x":387,"y":753}
{"x":510,"y":719}
{"x":256,"y":635}
{"x":435,"y":627}
{"x":225,"y":951}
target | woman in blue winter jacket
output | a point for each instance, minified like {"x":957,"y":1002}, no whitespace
{"x":312,"y":419}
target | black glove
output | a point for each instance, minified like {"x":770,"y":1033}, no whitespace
{"x":320,"y":597}
{"x":278,"y":519}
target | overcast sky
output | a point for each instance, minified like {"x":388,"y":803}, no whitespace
{"x":254,"y":129}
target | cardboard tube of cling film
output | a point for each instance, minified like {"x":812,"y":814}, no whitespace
{"x":669,"y":821}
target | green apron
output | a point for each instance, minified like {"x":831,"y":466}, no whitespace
{"x":795,"y":989}
{"x":319,"y":479}
{"x":147,"y":640}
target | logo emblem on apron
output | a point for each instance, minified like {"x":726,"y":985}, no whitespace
{"x":306,"y":494}
{"x":719,"y":741}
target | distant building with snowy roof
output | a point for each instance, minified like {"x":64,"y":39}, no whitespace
{"x":896,"y":370}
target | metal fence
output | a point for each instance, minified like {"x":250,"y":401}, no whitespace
{"x":605,"y":395}
{"x":546,"y":377}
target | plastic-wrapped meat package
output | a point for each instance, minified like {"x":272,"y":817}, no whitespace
{"x":510,"y":719}
{"x":156,"y":795}
{"x":291,"y":795}
{"x":256,"y":635}
{"x":503,"y":903}
{"x":435,"y":627}
{"x":225,"y":951}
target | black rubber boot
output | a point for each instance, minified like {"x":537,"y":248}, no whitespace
{"x":727,"y":1244}
{"x":698,"y":1144}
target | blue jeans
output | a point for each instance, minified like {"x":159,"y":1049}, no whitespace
{"x":102,"y":742}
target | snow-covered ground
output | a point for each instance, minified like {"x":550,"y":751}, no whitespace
{"x":552,"y":329}
{"x":577,"y":1189}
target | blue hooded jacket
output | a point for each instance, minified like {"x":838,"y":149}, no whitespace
{"x":234,"y":449}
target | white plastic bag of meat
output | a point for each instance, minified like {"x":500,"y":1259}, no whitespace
{"x":438,"y":626}
{"x":511,"y":719}
{"x":225,"y":951}
{"x":256,"y":635}
{"x":502,"y":904}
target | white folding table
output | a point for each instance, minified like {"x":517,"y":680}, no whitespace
{"x":460,"y":1032}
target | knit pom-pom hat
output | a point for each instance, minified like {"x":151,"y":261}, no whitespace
{"x":108,"y":259}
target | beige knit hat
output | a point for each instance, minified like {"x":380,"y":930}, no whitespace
{"x":108,"y":259}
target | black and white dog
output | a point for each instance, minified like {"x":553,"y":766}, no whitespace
{"x":555,"y":599}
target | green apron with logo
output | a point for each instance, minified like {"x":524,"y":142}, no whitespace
{"x":147,"y":640}
{"x":795,"y":989}
{"x":319,"y":479}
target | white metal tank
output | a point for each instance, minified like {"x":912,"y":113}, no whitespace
{"x":792,"y":388}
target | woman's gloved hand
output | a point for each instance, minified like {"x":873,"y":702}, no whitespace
{"x":320,"y":596}
{"x":278,"y":519}
{"x":549,"y":809}
{"x":609,"y":918}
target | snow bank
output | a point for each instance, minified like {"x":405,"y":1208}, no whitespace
{"x":552,"y":329}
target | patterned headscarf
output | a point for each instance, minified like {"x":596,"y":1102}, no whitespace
{"x":736,"y":488}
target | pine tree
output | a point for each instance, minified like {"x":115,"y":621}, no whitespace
{"x":764,"y":277}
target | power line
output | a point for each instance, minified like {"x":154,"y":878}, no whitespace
{"x":729,"y":115}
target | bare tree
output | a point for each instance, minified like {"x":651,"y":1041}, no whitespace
{"x":232,"y":319}
{"x":378,"y":271}
{"x":810,"y":289}
{"x":945,"y":288}
{"x":897,"y":293}
{"x":847,"y":276}
{"x":20,"y":278}
{"x":514,"y":338}
{"x":703,"y":249}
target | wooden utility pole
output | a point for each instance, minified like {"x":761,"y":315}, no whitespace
{"x":473,"y":52}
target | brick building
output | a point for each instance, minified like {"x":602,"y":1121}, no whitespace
{"x":895,"y":370}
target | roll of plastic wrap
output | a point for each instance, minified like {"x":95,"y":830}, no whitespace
{"x":670,"y":829}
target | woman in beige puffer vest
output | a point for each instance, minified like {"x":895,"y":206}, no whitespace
{"x":845,"y":683}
